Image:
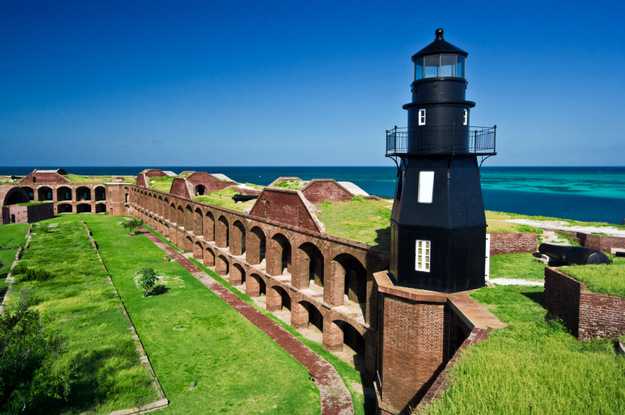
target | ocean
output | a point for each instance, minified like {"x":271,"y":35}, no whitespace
{"x":582,"y":193}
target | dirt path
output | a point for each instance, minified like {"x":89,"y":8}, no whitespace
{"x":335,"y":398}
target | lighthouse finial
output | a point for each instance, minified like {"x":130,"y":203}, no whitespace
{"x":439,"y":34}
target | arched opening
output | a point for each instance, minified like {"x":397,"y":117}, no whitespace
{"x":44,"y":193}
{"x":100,"y":208}
{"x":237,"y":275}
{"x":198,"y":251}
{"x":237,"y":245}
{"x":188,"y":218}
{"x":100,"y":193}
{"x":255,"y":286}
{"x":348,"y":269}
{"x":173,"y":215}
{"x":160,"y":208}
{"x":209,"y":227}
{"x":279,"y":256}
{"x":15,"y":195}
{"x":221,"y":266}
{"x":256,"y":247}
{"x":198,"y":223}
{"x":63,"y":193}
{"x":83,"y":208}
{"x":187,"y":244}
{"x":83,"y":194}
{"x":30,"y":192}
{"x":312,"y":259}
{"x":64,"y":208}
{"x":222,"y":239}
{"x":180,"y":218}
{"x":209,"y":258}
{"x":278,"y":299}
{"x":353,"y":346}
{"x":200,"y":190}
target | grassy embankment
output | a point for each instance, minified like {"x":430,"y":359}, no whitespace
{"x":291,"y":184}
{"x":532,"y":366}
{"x":562,"y":222}
{"x":75,"y":178}
{"x":601,"y":279}
{"x":162,"y":184}
{"x":84,"y":309}
{"x":191,"y":335}
{"x":11,"y":237}
{"x":223,"y":198}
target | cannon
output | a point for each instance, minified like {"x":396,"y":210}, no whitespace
{"x":573,"y":255}
{"x":243,"y":198}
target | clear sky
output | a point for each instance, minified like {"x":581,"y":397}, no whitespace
{"x":310,"y":83}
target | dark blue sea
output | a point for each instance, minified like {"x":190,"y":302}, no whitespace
{"x":582,"y":193}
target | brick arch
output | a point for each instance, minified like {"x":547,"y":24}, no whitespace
{"x":209,"y":257}
{"x":237,"y":239}
{"x":180,"y":216}
{"x":304,"y":313}
{"x":222,"y":266}
{"x":209,"y":226}
{"x":198,"y":251}
{"x":237,"y":274}
{"x":30,"y":192}
{"x":310,"y":265}
{"x":173,"y":215}
{"x":338,"y":332}
{"x":222,"y":237}
{"x":278,"y":298}
{"x":187,"y":244}
{"x":255,"y":285}
{"x":188,"y":218}
{"x":350,"y":277}
{"x":45,"y":193}
{"x":64,"y":193}
{"x":256,"y":246}
{"x":279,"y":255}
{"x":198,"y":222}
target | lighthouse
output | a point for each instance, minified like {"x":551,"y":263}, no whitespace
{"x":438,"y":226}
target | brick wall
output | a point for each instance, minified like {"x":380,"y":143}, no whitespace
{"x":179,"y":188}
{"x":603,"y":243}
{"x":155,"y":173}
{"x":209,"y":181}
{"x":319,"y":190}
{"x":44,"y":178}
{"x":285,"y":207}
{"x":141,"y":180}
{"x":586,"y":314}
{"x":512,"y":243}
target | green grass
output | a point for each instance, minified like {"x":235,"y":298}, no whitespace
{"x":84,"y":309}
{"x":237,"y":368}
{"x":11,"y":237}
{"x":601,"y":279}
{"x":499,"y":226}
{"x":75,"y":178}
{"x":32,"y":203}
{"x":570,"y":222}
{"x":223,"y":198}
{"x":162,"y":184}
{"x":291,"y":184}
{"x":360,"y":220}
{"x":516,"y":266}
{"x":531,"y":366}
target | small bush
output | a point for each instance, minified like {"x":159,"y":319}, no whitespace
{"x":148,"y":281}
{"x":20,"y":268}
{"x":36,"y":274}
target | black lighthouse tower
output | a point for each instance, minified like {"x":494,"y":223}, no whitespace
{"x":438,"y":227}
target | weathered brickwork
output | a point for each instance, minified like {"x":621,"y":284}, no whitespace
{"x":320,"y":190}
{"x":512,"y":243}
{"x":586,"y":314}
{"x":603,"y":243}
{"x":38,"y":177}
{"x":27,"y":214}
{"x":286,"y":207}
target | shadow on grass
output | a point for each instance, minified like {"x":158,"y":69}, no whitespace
{"x":158,"y":290}
{"x":537,"y":297}
{"x":383,"y":238}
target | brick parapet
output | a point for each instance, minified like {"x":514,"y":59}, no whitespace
{"x":603,"y":243}
{"x":512,"y":243}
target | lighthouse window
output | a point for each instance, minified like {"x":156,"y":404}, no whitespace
{"x":422,"y":116}
{"x":466,"y":117}
{"x":418,"y":69}
{"x":426,"y":187}
{"x":422,"y":255}
{"x":431,"y":66}
{"x":460,"y":68}
{"x":448,"y":65}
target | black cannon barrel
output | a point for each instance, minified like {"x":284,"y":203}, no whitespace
{"x":574,"y":255}
{"x":243,"y":198}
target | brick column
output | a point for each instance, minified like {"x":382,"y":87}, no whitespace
{"x":299,"y":316}
{"x":274,"y":258}
{"x":209,"y":258}
{"x":332,"y":336}
{"x":299,"y":269}
{"x":252,"y":287}
{"x":236,"y":248}
{"x":274,"y":300}
{"x":334,"y":283}
{"x":221,"y":266}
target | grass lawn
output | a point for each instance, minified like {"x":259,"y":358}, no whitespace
{"x":499,"y":226}
{"x":291,"y":184}
{"x":518,"y":266}
{"x":75,"y":178}
{"x":532,"y":367}
{"x":85,"y":310}
{"x":191,"y":335}
{"x":601,"y":279}
{"x":162,"y":184}
{"x":571,"y":222}
{"x":360,"y":220}
{"x":223,"y":198}
{"x":11,"y":237}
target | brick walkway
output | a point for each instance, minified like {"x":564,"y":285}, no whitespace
{"x":335,"y":398}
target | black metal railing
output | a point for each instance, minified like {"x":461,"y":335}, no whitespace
{"x":441,"y":140}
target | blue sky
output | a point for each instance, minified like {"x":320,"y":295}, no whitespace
{"x":235,"y":83}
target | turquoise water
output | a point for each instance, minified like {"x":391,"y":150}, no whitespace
{"x":582,"y":193}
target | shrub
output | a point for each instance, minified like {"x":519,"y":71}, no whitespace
{"x":36,"y":274}
{"x":20,"y":268}
{"x":148,"y":281}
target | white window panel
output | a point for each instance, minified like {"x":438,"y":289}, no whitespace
{"x":426,"y":187}
{"x":422,"y":255}
{"x":422,"y":116}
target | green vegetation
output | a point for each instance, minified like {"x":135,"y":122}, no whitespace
{"x":532,"y":366}
{"x":99,"y":350}
{"x":148,"y":281}
{"x":568,"y":222}
{"x":499,"y":226}
{"x":32,"y":203}
{"x":133,"y":224}
{"x":11,"y":237}
{"x":255,"y":186}
{"x":291,"y":184}
{"x":191,"y":335}
{"x":601,"y":279}
{"x":361,"y":220}
{"x":517,"y":266}
{"x":162,"y":184}
{"x":74,"y":178}
{"x":567,"y":237}
{"x":223,"y":198}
